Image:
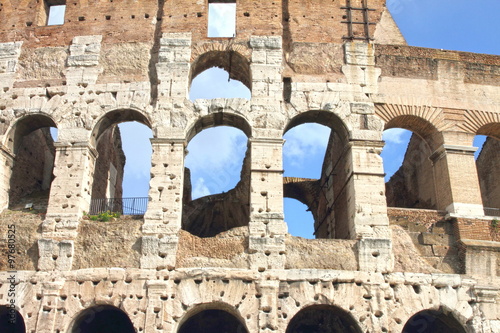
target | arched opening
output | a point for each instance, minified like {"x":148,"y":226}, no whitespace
{"x":11,"y":321}
{"x":217,"y":176}
{"x":220,"y":74}
{"x":121,"y":171}
{"x":303,"y":155}
{"x":103,"y":318}
{"x":212,"y":321}
{"x":31,"y":142}
{"x":430,"y":321}
{"x":323,"y":319}
{"x":409,"y":144}
{"x":488,"y":168}
{"x":319,"y":138}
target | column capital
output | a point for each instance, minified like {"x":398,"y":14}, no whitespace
{"x":267,"y":140}
{"x":451,"y":149}
{"x":81,"y":145}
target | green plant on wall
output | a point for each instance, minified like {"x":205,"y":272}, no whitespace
{"x":495,"y":225}
{"x":103,"y":217}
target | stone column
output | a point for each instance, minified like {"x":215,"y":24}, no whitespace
{"x":267,"y":226}
{"x":49,"y":305}
{"x":367,"y":207}
{"x":6,"y":162}
{"x":456,"y":180}
{"x":71,"y":190}
{"x":163,"y":218}
{"x":70,"y":195}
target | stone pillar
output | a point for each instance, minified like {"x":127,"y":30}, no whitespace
{"x":163,"y":218}
{"x":267,"y":227}
{"x":70,"y":192}
{"x":49,"y":307}
{"x":456,"y":180}
{"x":367,"y":207}
{"x":268,"y":305}
{"x":70,"y":195}
{"x":155,"y":319}
{"x":6,"y":164}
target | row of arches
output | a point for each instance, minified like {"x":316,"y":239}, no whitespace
{"x":209,"y":318}
{"x":320,"y":128}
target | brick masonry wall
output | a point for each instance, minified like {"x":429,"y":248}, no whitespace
{"x":432,"y":235}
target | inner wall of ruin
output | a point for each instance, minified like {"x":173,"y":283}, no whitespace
{"x":228,"y":260}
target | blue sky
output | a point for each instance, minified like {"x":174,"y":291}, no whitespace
{"x":215,"y":154}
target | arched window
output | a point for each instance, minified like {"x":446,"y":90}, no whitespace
{"x":212,"y":321}
{"x":103,"y":318}
{"x":217,"y":177}
{"x":322,"y":319}
{"x":32,"y":143}
{"x":121,"y":172}
{"x":11,"y":320}
{"x":318,"y":138}
{"x":303,"y":156}
{"x":409,"y":173}
{"x":430,"y":321}
{"x":488,"y":168}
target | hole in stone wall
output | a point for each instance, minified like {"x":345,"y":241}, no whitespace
{"x":216,"y":182}
{"x":103,"y":318}
{"x":32,"y":141}
{"x":433,"y":321}
{"x":221,"y":19}
{"x":409,"y":172}
{"x":212,"y":321}
{"x":54,"y":11}
{"x":122,"y":169}
{"x":488,"y":172}
{"x":215,"y":83}
{"x":11,"y":321}
{"x":303,"y":156}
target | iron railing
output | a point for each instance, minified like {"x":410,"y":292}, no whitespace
{"x":491,"y":211}
{"x":124,"y":206}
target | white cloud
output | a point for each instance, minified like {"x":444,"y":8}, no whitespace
{"x":305,"y":140}
{"x":396,"y":135}
{"x":221,"y":19}
{"x":216,"y":155}
{"x":200,"y":189}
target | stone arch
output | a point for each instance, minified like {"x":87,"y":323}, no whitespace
{"x":114,"y":117}
{"x":323,"y":319}
{"x":413,"y":185}
{"x":490,"y":129}
{"x":325,"y":118}
{"x":233,"y":62}
{"x":105,"y":318}
{"x":209,"y":215}
{"x":32,"y":160}
{"x":331,"y":218}
{"x":24,"y":126}
{"x":429,"y":321}
{"x":221,"y":118}
{"x":11,"y":321}
{"x":212,"y":318}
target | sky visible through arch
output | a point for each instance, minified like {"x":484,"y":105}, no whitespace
{"x":462,"y":25}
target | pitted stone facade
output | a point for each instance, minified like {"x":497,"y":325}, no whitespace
{"x":367,"y":272}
